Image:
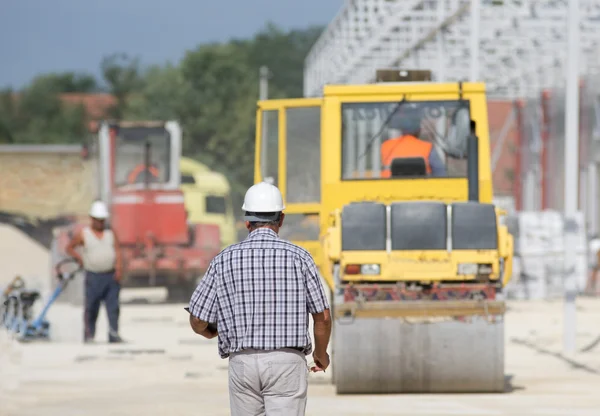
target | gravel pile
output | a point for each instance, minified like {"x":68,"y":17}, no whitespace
{"x":20,"y":255}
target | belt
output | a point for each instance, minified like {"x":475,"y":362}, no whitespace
{"x":301,"y":349}
{"x":105,"y":272}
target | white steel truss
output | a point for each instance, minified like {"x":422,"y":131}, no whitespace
{"x":522,"y":43}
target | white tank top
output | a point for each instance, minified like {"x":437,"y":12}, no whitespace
{"x":98,"y":253}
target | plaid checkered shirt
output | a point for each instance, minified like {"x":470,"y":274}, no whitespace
{"x":260,"y":292}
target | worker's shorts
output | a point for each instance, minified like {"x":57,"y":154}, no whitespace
{"x":272,"y":381}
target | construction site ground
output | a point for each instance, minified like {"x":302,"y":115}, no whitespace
{"x":166,"y":369}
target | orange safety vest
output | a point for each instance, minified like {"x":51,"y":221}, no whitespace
{"x":139,"y":169}
{"x":404,"y":146}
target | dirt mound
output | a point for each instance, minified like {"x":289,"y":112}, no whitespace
{"x":21,"y":255}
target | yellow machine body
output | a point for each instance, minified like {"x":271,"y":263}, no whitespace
{"x":208,"y":198}
{"x":323,"y":154}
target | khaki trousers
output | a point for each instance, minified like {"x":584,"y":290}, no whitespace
{"x":271,"y":383}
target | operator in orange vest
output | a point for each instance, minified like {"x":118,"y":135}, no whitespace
{"x":136,"y":175}
{"x":408,"y":145}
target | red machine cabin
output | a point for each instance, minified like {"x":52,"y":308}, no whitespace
{"x":139,"y":180}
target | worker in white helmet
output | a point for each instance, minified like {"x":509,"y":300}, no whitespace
{"x":256,"y":296}
{"x":101,"y":260}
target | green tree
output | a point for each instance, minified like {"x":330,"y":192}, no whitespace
{"x":219,"y":117}
{"x":8,"y":116}
{"x":37,"y":115}
{"x":213,"y":93}
{"x":68,"y":82}
{"x":283,"y":53}
{"x":162,"y":95}
{"x":122,"y":74}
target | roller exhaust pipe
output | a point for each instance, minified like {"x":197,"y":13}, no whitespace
{"x":473,"y":164}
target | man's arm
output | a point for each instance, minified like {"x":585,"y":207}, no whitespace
{"x":437,"y":165}
{"x":76,"y":241}
{"x":318,"y":307}
{"x":322,"y":331}
{"x":203,"y":304}
{"x":118,"y":258}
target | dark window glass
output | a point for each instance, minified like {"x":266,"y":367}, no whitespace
{"x":215,"y":205}
{"x":187,"y":179}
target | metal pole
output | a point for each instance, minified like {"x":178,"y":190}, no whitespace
{"x":475,"y":20}
{"x":441,"y":57}
{"x":545,"y":97}
{"x":593,"y":198}
{"x":263,"y":94}
{"x":517,"y":177}
{"x":571,"y":175}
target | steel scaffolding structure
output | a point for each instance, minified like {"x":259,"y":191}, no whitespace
{"x":520,"y":45}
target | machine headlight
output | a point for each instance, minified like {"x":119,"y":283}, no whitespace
{"x":467,"y":268}
{"x":372,"y":269}
{"x":474,"y":268}
{"x":485,"y":269}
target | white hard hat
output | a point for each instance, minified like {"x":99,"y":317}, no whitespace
{"x":98,"y":210}
{"x":262,"y":197}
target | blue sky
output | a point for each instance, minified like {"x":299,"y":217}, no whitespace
{"x":61,"y":35}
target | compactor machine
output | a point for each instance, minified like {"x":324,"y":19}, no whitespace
{"x":139,"y":179}
{"x":416,"y":258}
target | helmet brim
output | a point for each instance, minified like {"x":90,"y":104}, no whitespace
{"x":257,"y":217}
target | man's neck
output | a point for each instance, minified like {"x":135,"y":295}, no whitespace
{"x":269,"y":227}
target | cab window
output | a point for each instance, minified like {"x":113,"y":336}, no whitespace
{"x":303,"y":155}
{"x":215,"y":205}
{"x":132,"y":143}
{"x":412,"y":139}
{"x":187,"y":179}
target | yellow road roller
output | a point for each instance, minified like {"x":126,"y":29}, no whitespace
{"x":389,"y":187}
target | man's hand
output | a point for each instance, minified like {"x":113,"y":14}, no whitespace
{"x":78,"y":259}
{"x":321,"y":362}
{"x":210,"y":332}
{"x":203,"y":328}
{"x":118,"y":275}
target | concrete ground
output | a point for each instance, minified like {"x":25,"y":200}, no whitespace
{"x":166,"y":369}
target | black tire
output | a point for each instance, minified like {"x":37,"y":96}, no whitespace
{"x":332,"y":337}
{"x":335,"y":273}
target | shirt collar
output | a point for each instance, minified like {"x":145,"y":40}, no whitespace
{"x":262,"y":232}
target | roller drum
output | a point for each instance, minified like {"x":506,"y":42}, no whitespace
{"x":391,"y":355}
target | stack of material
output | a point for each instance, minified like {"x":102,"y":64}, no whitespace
{"x":538,"y":272}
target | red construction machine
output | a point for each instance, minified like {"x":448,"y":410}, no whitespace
{"x":139,"y":180}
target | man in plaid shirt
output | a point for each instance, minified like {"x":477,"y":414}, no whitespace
{"x":259,"y":293}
